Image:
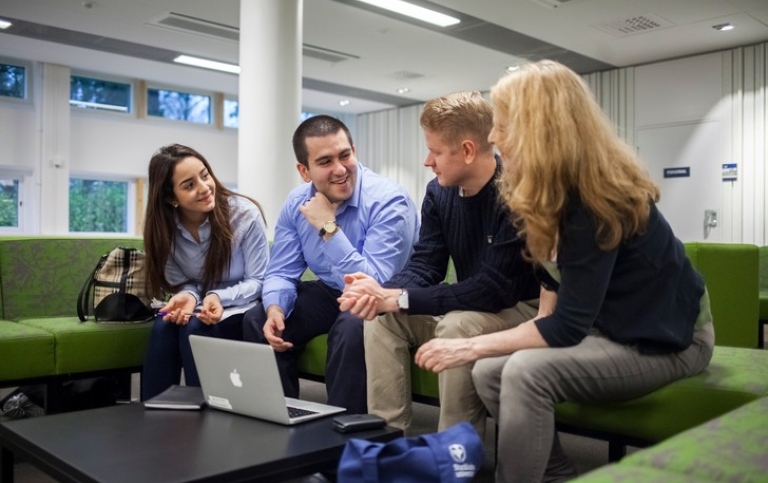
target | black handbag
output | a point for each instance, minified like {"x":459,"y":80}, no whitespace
{"x":116,"y":291}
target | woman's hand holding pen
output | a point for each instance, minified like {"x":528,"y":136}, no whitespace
{"x":179,"y":308}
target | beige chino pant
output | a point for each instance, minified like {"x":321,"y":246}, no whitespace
{"x":390,"y":341}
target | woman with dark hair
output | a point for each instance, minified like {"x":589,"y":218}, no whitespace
{"x":207,"y":248}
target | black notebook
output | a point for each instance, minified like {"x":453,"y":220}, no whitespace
{"x":177,"y":397}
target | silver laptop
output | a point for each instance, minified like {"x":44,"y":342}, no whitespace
{"x":242,"y":377}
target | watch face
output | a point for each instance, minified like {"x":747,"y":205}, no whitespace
{"x":402,"y":300}
{"x":330,"y":227}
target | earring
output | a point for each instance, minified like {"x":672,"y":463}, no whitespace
{"x":175,"y":205}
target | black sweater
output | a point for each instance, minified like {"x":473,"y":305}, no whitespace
{"x":643,"y":293}
{"x":477,"y":233}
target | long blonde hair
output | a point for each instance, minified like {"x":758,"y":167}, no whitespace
{"x":558,"y":144}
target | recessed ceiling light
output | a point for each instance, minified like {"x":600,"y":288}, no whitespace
{"x":403,"y":90}
{"x":4,"y":24}
{"x":513,"y":68}
{"x":207,"y":64}
{"x":344,"y":102}
{"x":414,"y":11}
{"x":723,"y":27}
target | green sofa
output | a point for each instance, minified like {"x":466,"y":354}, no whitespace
{"x":763,"y":294}
{"x":42,"y":341}
{"x":731,"y":447}
{"x":737,"y":374}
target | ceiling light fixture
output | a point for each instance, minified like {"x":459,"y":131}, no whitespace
{"x":414,"y":11}
{"x":344,"y":102}
{"x":513,"y":68}
{"x":207,"y":64}
{"x":4,"y":24}
{"x":723,"y":27}
{"x":403,"y":90}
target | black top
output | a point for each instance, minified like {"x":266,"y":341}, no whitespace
{"x":477,"y":233}
{"x":645,"y":292}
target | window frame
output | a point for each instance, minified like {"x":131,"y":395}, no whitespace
{"x":131,"y":199}
{"x":106,"y":78}
{"x":20,"y":174}
{"x":183,"y":90}
{"x":28,"y":76}
{"x":224,"y":111}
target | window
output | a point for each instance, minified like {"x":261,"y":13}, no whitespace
{"x":98,"y":206}
{"x":178,"y":105}
{"x":306,"y":115}
{"x":9,"y":203}
{"x":88,"y":93}
{"x":231,"y":113}
{"x":13,"y":81}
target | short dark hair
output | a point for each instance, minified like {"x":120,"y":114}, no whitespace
{"x":316,"y":126}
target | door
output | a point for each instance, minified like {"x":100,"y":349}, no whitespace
{"x":691,"y":204}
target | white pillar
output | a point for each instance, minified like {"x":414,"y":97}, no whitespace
{"x":54,"y":151}
{"x":270,"y":100}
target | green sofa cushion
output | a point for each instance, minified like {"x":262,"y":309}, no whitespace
{"x":25,"y":352}
{"x":731,"y":274}
{"x":90,"y":346}
{"x":312,"y":360}
{"x":734,"y":377}
{"x":424,"y":383}
{"x":731,"y":447}
{"x":634,"y":474}
{"x":42,"y":276}
{"x":764,"y":306}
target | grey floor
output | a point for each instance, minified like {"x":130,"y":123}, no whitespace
{"x":585,"y":453}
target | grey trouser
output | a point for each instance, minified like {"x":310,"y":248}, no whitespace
{"x":389,"y":340}
{"x":521,"y":390}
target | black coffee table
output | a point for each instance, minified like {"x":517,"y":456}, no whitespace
{"x":129,"y":444}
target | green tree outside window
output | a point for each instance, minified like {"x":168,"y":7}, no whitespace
{"x":98,"y":206}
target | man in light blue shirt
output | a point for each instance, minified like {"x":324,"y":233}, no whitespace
{"x":344,"y":219}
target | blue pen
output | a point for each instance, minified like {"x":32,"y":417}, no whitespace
{"x":163,"y":314}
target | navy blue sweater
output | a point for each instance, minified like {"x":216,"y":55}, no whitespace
{"x":477,"y":233}
{"x":644,"y":292}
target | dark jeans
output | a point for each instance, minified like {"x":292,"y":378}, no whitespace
{"x":169,"y":351}
{"x":316,"y":312}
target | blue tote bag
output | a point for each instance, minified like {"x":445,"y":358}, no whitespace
{"x":454,"y":455}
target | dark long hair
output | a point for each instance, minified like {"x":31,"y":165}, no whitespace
{"x":160,"y":222}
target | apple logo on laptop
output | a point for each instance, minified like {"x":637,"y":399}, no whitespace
{"x":234,"y":376}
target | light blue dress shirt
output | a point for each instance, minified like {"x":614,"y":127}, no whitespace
{"x":243,"y":283}
{"x":379,"y":225}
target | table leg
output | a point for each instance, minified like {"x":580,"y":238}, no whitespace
{"x":6,"y":465}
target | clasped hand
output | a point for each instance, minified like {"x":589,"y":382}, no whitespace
{"x":363,"y":296}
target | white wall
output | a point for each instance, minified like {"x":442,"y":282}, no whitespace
{"x":726,"y":88}
{"x":120,"y":145}
{"x":720,"y":99}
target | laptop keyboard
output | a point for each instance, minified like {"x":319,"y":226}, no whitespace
{"x":296,"y":412}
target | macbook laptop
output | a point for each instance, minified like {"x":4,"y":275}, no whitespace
{"x":242,"y":377}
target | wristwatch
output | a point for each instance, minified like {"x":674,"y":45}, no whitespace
{"x":402,"y":301}
{"x":329,"y":228}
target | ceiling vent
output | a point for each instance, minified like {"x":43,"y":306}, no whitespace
{"x":554,"y":3}
{"x":637,"y":24}
{"x":327,"y":55}
{"x":405,"y":75}
{"x":199,"y":26}
{"x":192,"y":25}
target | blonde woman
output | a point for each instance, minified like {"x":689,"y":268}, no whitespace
{"x":622,"y":311}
